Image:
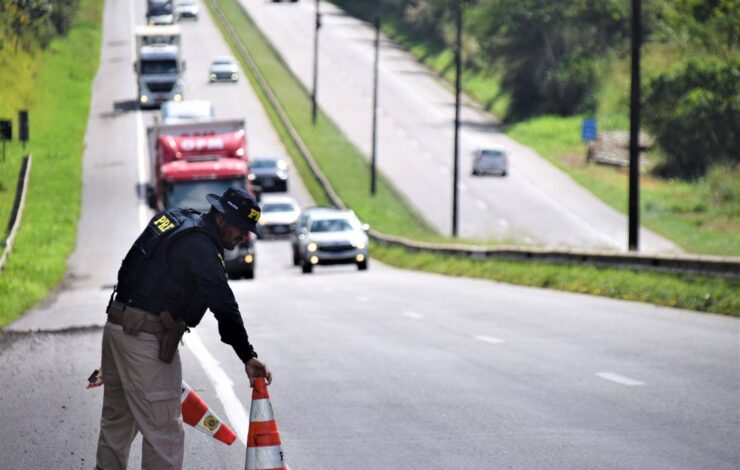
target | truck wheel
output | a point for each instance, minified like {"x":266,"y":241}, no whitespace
{"x":307,"y":268}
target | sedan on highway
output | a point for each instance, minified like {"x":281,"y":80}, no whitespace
{"x":186,"y":9}
{"x":279,"y":215}
{"x":300,"y":229}
{"x":490,"y":160}
{"x":223,"y":69}
{"x":270,"y":174}
{"x":333,"y":237}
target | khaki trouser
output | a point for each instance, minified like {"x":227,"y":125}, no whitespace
{"x":141,"y":393}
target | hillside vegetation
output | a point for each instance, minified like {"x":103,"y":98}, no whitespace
{"x":49,"y":53}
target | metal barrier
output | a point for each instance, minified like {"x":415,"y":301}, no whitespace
{"x":18,"y":204}
{"x":689,"y":264}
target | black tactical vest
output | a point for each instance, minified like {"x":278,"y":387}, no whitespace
{"x":143,"y":280}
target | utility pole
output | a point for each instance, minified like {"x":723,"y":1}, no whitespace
{"x":315,"y":64}
{"x":458,"y":67}
{"x":375,"y":107}
{"x":634,"y":184}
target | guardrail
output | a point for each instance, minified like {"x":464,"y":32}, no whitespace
{"x":691,"y":264}
{"x":18,"y":205}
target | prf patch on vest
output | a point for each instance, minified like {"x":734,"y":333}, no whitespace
{"x":164,"y":224}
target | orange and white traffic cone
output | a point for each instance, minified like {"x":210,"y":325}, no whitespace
{"x":264,"y":450}
{"x":196,"y":413}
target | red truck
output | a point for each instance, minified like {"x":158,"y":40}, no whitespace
{"x":191,"y":160}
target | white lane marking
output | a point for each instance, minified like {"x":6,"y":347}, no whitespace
{"x":481,"y":204}
{"x":413,"y":315}
{"x":141,"y":150}
{"x":488,"y":339}
{"x":238,"y":417}
{"x":616,"y":378}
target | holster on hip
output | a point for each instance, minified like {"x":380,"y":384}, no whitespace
{"x":170,"y":337}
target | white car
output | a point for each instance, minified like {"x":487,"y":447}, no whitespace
{"x":490,"y":160}
{"x":279,"y":215}
{"x":187,"y":9}
{"x":224,"y":68}
{"x":333,"y":237}
{"x":176,"y":112}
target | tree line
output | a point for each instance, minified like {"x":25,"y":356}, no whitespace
{"x":32,"y":23}
{"x":552,"y":56}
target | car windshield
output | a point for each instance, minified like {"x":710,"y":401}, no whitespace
{"x":493,"y":153}
{"x":331,"y":225}
{"x":264,"y":164}
{"x":193,"y":193}
{"x":151,"y":67}
{"x":223,"y":62}
{"x":278,"y":207}
{"x":157,"y":9}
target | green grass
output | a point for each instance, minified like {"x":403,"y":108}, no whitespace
{"x":348,"y":172}
{"x":706,"y":294}
{"x":58,"y":99}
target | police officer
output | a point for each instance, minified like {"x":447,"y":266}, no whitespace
{"x":170,"y":276}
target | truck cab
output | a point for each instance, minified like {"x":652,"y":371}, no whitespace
{"x":159,"y":65}
{"x":160,"y":12}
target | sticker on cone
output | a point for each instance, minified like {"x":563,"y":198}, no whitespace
{"x":264,"y":450}
{"x":196,"y":413}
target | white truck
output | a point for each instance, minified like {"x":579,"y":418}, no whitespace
{"x":159,"y":65}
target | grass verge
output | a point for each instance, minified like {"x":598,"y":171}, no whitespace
{"x":706,"y":294}
{"x":347,"y":170}
{"x":58,"y":102}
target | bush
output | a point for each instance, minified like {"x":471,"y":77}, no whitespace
{"x":694,"y":113}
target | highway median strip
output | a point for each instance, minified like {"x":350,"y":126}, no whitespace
{"x":388,"y":213}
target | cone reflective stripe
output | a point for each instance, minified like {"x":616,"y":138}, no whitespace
{"x":196,"y":413}
{"x":264,"y":450}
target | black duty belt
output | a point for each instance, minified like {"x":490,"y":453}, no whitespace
{"x":132,"y":319}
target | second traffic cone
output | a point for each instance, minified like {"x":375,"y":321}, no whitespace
{"x":196,"y":413}
{"x":264,"y":450}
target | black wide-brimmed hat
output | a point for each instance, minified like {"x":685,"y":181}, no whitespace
{"x":238,"y":207}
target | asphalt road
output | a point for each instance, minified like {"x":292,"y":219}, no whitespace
{"x":536,"y":204}
{"x":378,"y":369}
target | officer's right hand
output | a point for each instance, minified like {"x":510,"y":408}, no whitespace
{"x":256,"y":368}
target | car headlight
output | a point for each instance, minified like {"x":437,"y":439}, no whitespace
{"x":248,"y":259}
{"x":144,"y":98}
{"x":235,"y":76}
{"x":282,"y":175}
{"x":311,"y":247}
{"x":177,"y":97}
{"x":212,"y":76}
{"x":251,"y":177}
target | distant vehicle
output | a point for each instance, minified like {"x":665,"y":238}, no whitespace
{"x":159,"y":65}
{"x":279,"y":215}
{"x":176,"y":112}
{"x":186,"y":9}
{"x":159,"y":12}
{"x":278,"y":1}
{"x":270,"y":174}
{"x":333,"y":237}
{"x":224,"y":68}
{"x":300,"y":229}
{"x":490,"y":160}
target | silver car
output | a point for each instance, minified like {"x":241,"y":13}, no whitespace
{"x":224,"y":68}
{"x":333,"y":237}
{"x":186,"y":9}
{"x":490,"y":160}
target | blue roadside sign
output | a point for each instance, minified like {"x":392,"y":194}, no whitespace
{"x":588,"y":131}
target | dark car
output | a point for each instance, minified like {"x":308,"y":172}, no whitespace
{"x":240,"y":260}
{"x":270,"y":174}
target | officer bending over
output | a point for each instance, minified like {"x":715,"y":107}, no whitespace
{"x":170,"y":276}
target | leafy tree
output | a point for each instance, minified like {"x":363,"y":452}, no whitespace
{"x":694,"y":113}
{"x":549,"y":50}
